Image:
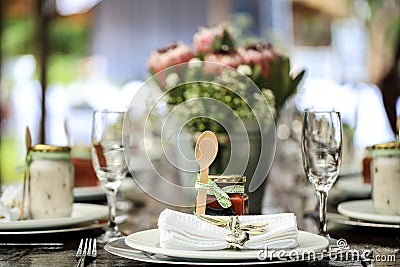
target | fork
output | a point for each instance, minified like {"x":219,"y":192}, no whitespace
{"x":87,"y":248}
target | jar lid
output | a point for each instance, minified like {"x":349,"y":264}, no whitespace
{"x":234,"y":179}
{"x":50,"y":148}
{"x":390,"y":145}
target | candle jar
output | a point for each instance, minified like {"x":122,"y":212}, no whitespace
{"x":239,"y":201}
{"x":51,"y":182}
{"x":385,"y":177}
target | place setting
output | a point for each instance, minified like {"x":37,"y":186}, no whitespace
{"x":220,"y":231}
{"x":381,"y":209}
{"x":43,"y":206}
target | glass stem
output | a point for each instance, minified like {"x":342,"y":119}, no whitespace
{"x":323,"y":198}
{"x":112,"y":209}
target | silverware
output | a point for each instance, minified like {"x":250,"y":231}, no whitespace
{"x":87,"y":249}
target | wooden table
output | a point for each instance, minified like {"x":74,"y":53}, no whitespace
{"x":384,"y":243}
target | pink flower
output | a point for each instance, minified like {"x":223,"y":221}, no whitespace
{"x":259,"y":54}
{"x":203,"y":39}
{"x":231,"y":59}
{"x":170,"y":55}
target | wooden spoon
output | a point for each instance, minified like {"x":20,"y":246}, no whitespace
{"x":205,"y":152}
{"x":28,"y":145}
{"x":67,"y":133}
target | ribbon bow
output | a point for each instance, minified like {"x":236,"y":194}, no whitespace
{"x":35,"y":155}
{"x":239,"y":234}
{"x":23,"y":167}
{"x":221,"y":194}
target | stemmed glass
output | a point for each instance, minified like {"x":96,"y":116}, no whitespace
{"x":109,"y":162}
{"x":321,"y":147}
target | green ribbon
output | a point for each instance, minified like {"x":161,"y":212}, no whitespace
{"x":221,"y":194}
{"x":36,"y":155}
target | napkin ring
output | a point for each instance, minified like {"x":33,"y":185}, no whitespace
{"x":238,"y":235}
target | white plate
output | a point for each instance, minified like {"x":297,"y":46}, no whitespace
{"x":85,"y":193}
{"x":148,"y":241}
{"x":81,"y":213}
{"x":78,"y":228}
{"x":119,"y":248}
{"x":338,"y":218}
{"x":364,"y":210}
{"x":353,"y":187}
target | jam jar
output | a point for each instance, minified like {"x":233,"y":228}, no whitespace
{"x":385,"y":177}
{"x":84,"y":172}
{"x":239,"y":201}
{"x":51,"y":182}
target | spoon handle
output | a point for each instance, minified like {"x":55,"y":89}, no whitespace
{"x":202,"y":194}
{"x":28,"y":144}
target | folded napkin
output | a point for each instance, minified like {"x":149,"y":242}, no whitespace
{"x":188,"y":232}
{"x":10,"y":202}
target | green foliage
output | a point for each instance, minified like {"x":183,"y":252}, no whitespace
{"x":63,"y":68}
{"x":224,"y":44}
{"x":281,"y":81}
{"x":18,"y":36}
{"x":69,"y":40}
{"x":235,"y":94}
{"x":9,"y":159}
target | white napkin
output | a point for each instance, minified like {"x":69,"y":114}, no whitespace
{"x":10,"y":202}
{"x":187,"y":232}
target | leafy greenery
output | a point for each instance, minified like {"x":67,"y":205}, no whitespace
{"x":18,"y":37}
{"x":229,"y":89}
{"x":281,"y":81}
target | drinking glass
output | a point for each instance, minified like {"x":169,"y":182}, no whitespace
{"x":109,"y":162}
{"x":321,"y":147}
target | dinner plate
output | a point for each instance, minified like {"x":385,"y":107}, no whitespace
{"x":81,"y":213}
{"x":148,"y":241}
{"x":87,"y":193}
{"x":77,"y":228}
{"x":90,"y":193}
{"x":353,"y":187}
{"x":340,"y":219}
{"x":364,"y":210}
{"x":119,"y":248}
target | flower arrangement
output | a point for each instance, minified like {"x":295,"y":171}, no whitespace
{"x":259,"y":61}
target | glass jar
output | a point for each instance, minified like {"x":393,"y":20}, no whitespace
{"x":84,"y":171}
{"x":385,"y":177}
{"x":239,"y":201}
{"x":51,"y":182}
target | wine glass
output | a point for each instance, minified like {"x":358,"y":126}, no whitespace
{"x":321,"y":147}
{"x":109,"y":162}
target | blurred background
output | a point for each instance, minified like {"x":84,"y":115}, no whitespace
{"x":61,"y":59}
